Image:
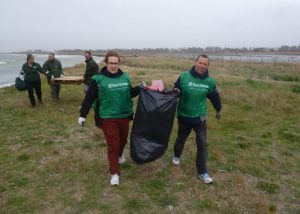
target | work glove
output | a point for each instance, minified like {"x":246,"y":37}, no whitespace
{"x":218,"y":115}
{"x":142,"y":84}
{"x":81,"y":121}
{"x":47,"y":72}
{"x":61,"y":75}
{"x":177,"y":90}
{"x":52,"y":77}
{"x":22,"y":77}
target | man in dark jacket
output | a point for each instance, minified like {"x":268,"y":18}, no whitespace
{"x":53,"y":69}
{"x":90,"y":70}
{"x":194,"y":87}
{"x":30,"y":71}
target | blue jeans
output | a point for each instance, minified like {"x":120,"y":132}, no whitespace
{"x":184,"y":129}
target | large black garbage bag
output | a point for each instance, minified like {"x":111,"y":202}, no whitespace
{"x":152,"y":125}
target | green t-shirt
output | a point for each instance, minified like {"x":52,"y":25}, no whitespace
{"x":114,"y":96}
{"x":194,"y":91}
{"x":31,"y":73}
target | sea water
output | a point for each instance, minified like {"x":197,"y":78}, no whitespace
{"x":11,"y":64}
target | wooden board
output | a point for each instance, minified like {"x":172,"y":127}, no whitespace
{"x":68,"y":80}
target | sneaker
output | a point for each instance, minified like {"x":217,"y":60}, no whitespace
{"x":122,"y":159}
{"x":176,"y":161}
{"x":114,"y":181}
{"x":205,"y":178}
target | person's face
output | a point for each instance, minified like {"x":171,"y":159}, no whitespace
{"x":87,"y":56}
{"x":30,"y":60}
{"x":201,"y":65}
{"x":113,"y":64}
{"x":50,"y":57}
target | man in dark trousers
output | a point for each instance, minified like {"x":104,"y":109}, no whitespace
{"x":30,"y":71}
{"x":194,"y":87}
{"x":53,"y":69}
{"x":90,"y":70}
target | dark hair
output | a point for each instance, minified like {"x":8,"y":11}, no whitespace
{"x":29,"y":56}
{"x":202,"y":56}
{"x":88,"y":52}
{"x":109,"y":54}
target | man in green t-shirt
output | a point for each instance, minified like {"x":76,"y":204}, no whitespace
{"x":53,"y":69}
{"x":194,"y":87}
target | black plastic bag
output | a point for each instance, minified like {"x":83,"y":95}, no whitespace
{"x":152,"y":125}
{"x":20,"y":84}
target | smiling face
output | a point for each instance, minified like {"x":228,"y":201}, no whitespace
{"x":201,"y":65}
{"x":113,"y":64}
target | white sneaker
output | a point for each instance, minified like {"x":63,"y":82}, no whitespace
{"x":114,"y":181}
{"x":176,"y":161}
{"x":122,"y":159}
{"x":206,"y":178}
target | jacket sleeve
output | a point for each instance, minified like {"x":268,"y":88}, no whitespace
{"x":214,"y":97}
{"x":60,"y":68}
{"x":134,"y":91}
{"x":90,"y":97}
{"x":40,"y":69}
{"x":45,"y":69}
{"x":177,"y":84}
{"x":22,"y":72}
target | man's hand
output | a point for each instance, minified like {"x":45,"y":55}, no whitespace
{"x":52,"y":77}
{"x":81,"y":121}
{"x":177,"y":90}
{"x":142,"y":84}
{"x":218,"y":115}
{"x":61,"y":75}
{"x":47,"y":72}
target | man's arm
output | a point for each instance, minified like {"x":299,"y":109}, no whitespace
{"x":177,"y":86}
{"x":214,"y":97}
{"x":46,"y":70}
{"x":134,"y":91}
{"x":61,"y":69}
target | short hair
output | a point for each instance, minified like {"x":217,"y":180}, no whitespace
{"x":202,"y":56}
{"x":111,"y":53}
{"x":88,"y":52}
{"x":51,"y":53}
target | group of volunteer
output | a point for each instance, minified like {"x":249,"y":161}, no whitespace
{"x":110,"y":91}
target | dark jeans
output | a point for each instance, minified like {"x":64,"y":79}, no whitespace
{"x":184,"y":129}
{"x":34,"y":86}
{"x":55,"y":88}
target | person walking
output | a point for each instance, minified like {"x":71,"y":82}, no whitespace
{"x":114,"y":91}
{"x":30,"y":71}
{"x":53,"y":69}
{"x":195,"y":86}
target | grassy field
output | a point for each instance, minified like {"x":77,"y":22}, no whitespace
{"x":48,"y":164}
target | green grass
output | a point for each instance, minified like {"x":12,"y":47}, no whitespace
{"x":51,"y":165}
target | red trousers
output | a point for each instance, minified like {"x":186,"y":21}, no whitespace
{"x":116,"y":133}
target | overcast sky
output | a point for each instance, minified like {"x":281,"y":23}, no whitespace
{"x":106,"y":24}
